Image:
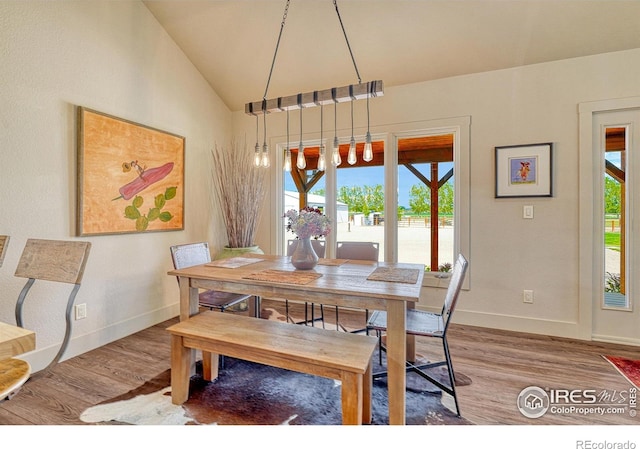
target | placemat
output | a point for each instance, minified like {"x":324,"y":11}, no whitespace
{"x":233,"y":262}
{"x":285,"y":277}
{"x":387,"y":274}
{"x":333,"y":262}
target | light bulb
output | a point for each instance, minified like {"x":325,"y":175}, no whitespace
{"x":351,"y":158}
{"x":257,"y":157}
{"x":335,"y":155}
{"x":301,"y":162}
{"x":367,"y":156}
{"x":321,"y":162}
{"x":266,"y":162}
{"x":287,"y":160}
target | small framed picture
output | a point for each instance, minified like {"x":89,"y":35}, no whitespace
{"x":524,"y":170}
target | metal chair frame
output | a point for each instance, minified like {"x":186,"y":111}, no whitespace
{"x":427,"y":324}
{"x":56,"y":261}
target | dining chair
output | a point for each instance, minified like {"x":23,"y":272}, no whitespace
{"x":319,"y":246}
{"x":427,"y":324}
{"x":190,"y":254}
{"x":52,"y":261}
{"x":356,"y":251}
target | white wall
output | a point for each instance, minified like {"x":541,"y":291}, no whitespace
{"x":115,"y":58}
{"x":532,"y":104}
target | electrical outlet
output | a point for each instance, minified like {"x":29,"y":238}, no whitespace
{"x":527,"y":296}
{"x":81,"y":311}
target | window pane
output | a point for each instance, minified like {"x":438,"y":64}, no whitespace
{"x":425,"y":201}
{"x":360,"y":205}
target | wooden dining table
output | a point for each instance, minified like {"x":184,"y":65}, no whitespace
{"x":347,"y":283}
{"x":15,"y":340}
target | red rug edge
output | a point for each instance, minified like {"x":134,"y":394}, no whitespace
{"x":615,"y":361}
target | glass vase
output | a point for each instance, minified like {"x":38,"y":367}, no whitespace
{"x":304,"y":257}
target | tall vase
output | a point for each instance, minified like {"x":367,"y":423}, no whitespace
{"x":304,"y":257}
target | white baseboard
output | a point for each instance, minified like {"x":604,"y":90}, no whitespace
{"x":79,"y":344}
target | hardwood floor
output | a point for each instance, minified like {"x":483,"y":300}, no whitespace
{"x":499,"y":363}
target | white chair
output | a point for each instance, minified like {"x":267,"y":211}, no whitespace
{"x":357,"y":251}
{"x":319,"y":246}
{"x":428,"y":324}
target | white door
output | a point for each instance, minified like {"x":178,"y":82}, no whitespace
{"x":616,"y":267}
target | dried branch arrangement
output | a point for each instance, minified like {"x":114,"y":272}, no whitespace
{"x":240,"y":190}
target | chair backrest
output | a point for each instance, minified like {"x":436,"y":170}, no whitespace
{"x":358,"y":250}
{"x":4,"y":242}
{"x":53,"y":260}
{"x":455,"y":284}
{"x":319,"y":246}
{"x":190,"y":254}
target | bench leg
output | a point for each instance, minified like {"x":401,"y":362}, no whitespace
{"x":180,"y":370}
{"x":352,"y":398}
{"x":210,"y":366}
{"x":367,"y":391}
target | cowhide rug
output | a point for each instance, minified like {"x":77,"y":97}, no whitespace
{"x":247,"y":393}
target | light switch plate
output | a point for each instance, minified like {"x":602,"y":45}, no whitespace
{"x":527,"y":212}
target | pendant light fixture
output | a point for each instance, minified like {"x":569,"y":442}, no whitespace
{"x":335,"y":155}
{"x":351,"y":156}
{"x":321,"y":151}
{"x":333,"y":95}
{"x":287,"y":150}
{"x":301,"y":162}
{"x":367,"y":155}
{"x":266,"y":160}
{"x":257,"y":157}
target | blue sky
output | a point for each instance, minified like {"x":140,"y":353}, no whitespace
{"x":361,"y":176}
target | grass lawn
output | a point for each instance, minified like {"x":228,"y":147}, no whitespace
{"x":612,"y":240}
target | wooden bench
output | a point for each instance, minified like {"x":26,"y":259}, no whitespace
{"x":336,"y":355}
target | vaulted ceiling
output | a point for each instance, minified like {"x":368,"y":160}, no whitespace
{"x":232,"y":42}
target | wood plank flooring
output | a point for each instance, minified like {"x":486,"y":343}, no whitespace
{"x":499,"y":363}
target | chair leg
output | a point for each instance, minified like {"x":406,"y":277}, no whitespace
{"x":420,"y":370}
{"x":452,"y":377}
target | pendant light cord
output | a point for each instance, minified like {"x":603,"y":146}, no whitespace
{"x":275,"y":53}
{"x":353,"y":59}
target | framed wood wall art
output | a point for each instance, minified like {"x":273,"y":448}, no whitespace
{"x":4,"y":242}
{"x":524,"y":170}
{"x":130,"y":176}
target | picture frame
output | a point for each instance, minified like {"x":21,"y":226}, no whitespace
{"x":130,"y":177}
{"x":4,"y":242}
{"x":524,"y":170}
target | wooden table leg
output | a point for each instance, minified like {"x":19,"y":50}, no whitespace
{"x":351,"y":398}
{"x":189,"y":306}
{"x":180,"y":370}
{"x":210,"y":366}
{"x":396,"y":353}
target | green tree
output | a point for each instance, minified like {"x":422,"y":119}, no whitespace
{"x":445,"y":198}
{"x":612,"y":196}
{"x":362,"y":199}
{"x":420,"y":199}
